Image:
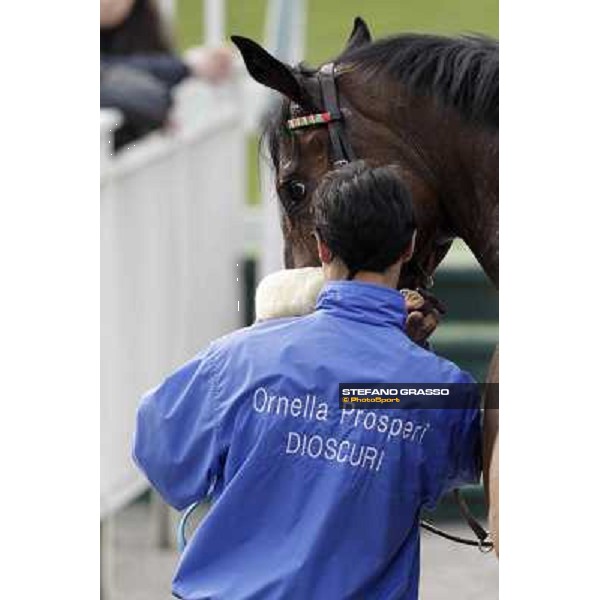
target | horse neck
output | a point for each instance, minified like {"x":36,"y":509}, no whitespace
{"x":456,"y":159}
{"x":472,"y":204}
{"x":463,"y":163}
{"x":470,"y":198}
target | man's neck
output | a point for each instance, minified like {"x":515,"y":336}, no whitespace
{"x":336,"y":272}
{"x":377,"y":278}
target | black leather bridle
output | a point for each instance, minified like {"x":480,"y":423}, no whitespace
{"x":340,"y":144}
{"x":342,"y":152}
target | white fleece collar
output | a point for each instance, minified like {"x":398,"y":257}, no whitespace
{"x":288,"y":293}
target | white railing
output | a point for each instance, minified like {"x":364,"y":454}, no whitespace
{"x":171,"y":211}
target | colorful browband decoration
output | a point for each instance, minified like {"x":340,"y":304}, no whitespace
{"x":309,"y":120}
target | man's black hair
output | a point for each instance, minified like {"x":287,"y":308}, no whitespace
{"x":365,"y":215}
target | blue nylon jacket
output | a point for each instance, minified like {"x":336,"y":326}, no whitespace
{"x":309,"y":501}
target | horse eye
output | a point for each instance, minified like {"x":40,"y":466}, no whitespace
{"x":296,"y":190}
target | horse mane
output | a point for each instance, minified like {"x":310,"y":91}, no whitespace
{"x":463,"y":72}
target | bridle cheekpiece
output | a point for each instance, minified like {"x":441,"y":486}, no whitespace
{"x":332,"y":117}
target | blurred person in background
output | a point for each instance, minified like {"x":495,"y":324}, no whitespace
{"x":139,"y":67}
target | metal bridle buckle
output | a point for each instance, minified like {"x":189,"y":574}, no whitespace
{"x":485,"y":547}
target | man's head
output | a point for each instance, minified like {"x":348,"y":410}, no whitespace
{"x":364,"y":223}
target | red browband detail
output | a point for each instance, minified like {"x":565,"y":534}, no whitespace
{"x":309,"y":120}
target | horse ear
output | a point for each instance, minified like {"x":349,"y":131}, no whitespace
{"x":269,"y":71}
{"x":360,"y":35}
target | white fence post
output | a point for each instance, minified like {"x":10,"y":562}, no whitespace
{"x":171,"y":210}
{"x":214,"y":22}
{"x":110,"y":120}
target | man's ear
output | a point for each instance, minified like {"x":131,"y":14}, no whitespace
{"x":408,"y":253}
{"x":269,"y":71}
{"x":360,"y":35}
{"x":325,"y":253}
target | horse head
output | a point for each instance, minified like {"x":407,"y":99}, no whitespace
{"x":385,"y":122}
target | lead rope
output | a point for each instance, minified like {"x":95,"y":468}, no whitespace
{"x":181,"y":539}
{"x":484,"y":546}
{"x":482,"y":542}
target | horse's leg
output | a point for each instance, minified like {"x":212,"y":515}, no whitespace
{"x":491,"y":451}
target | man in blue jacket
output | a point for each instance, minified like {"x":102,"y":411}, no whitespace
{"x":312,"y":501}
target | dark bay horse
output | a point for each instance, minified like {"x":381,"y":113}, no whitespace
{"x":428,"y":104}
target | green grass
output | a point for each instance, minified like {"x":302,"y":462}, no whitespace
{"x":330,"y":22}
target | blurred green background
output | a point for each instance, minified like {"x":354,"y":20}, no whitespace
{"x":329,"y":23}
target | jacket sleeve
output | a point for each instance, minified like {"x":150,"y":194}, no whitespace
{"x":176,"y":442}
{"x":465,"y":456}
{"x":458,"y":445}
{"x":170,"y":69}
{"x":144,"y":100}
